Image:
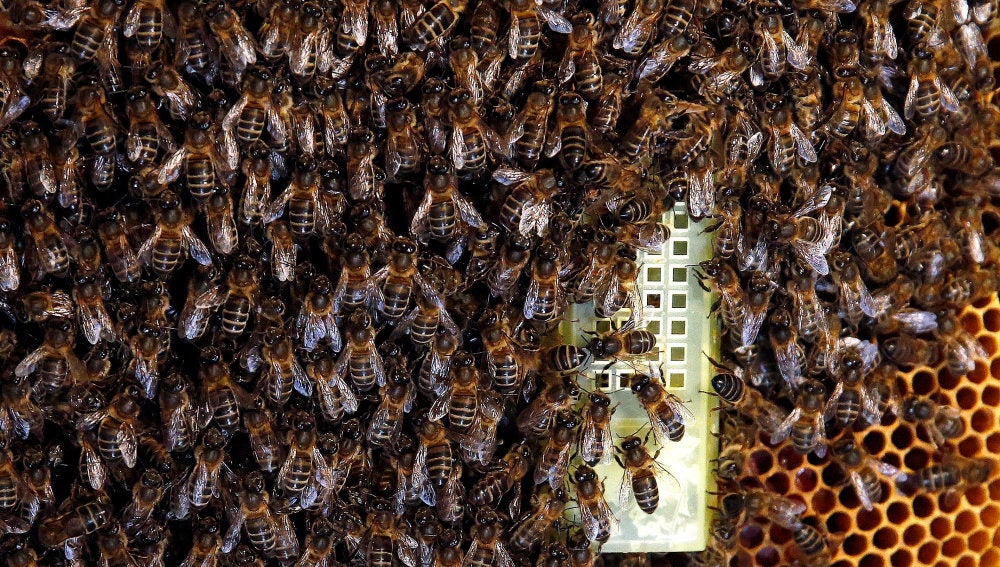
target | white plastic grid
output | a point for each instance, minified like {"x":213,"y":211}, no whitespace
{"x":676,"y":311}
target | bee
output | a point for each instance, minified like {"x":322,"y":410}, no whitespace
{"x":952,"y":474}
{"x":309,"y":42}
{"x":223,"y":397}
{"x":543,"y":301}
{"x":805,"y":423}
{"x":56,"y":363}
{"x":93,"y":25}
{"x":786,"y":138}
{"x":319,"y":544}
{"x":144,"y":22}
{"x":254,"y":515}
{"x":283,"y":372}
{"x":316,"y":320}
{"x":667,"y":413}
{"x":626,"y":341}
{"x":514,"y":255}
{"x":400,"y":279}
{"x":459,"y":399}
{"x":601,"y":254}
{"x":443,"y":206}
{"x":854,"y":299}
{"x":405,"y":145}
{"x":638,"y":28}
{"x":620,"y":290}
{"x":598,"y":522}
{"x":178,"y":414}
{"x":812,"y":543}
{"x":116,"y":435}
{"x":595,"y":431}
{"x":778,"y":46}
{"x":788,"y":353}
{"x":973,"y":49}
{"x":547,"y":508}
{"x":56,"y":79}
{"x":75,"y":520}
{"x":397,"y":398}
{"x":19,"y":414}
{"x":203,"y":166}
{"x":122,"y":258}
{"x":526,"y":19}
{"x":528,"y":130}
{"x":361,"y":358}
{"x":308,"y":212}
{"x":665,"y":54}
{"x":639,"y":484}
{"x":908,"y":350}
{"x":146,"y":495}
{"x":386,"y":538}
{"x":203,"y":484}
{"x":487,"y":546}
{"x":356,"y":289}
{"x":927,"y":93}
{"x":553,"y":463}
{"x":434,"y":23}
{"x":571,"y":136}
{"x":580,"y":61}
{"x":245,"y":122}
{"x":472,"y":140}
{"x":852,"y":397}
{"x":863,"y":470}
{"x":437,"y":362}
{"x":741,"y":507}
{"x":40,"y":172}
{"x":235,"y":43}
{"x":242,"y":283}
{"x":205,"y":544}
{"x":205,"y":296}
{"x":49,"y":243}
{"x":435,"y":460}
{"x":849,"y":91}
{"x":959,"y":349}
{"x":941,"y":422}
{"x":536,"y":419}
{"x":527,"y":208}
{"x":267,"y":450}
{"x":164,"y":250}
{"x":193,"y":50}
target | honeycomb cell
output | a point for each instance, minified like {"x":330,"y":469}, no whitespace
{"x":855,"y":544}
{"x":751,"y":536}
{"x":928,"y":552}
{"x":902,"y":438}
{"x":991,"y":320}
{"x":923,"y":506}
{"x":897,"y":513}
{"x":916,"y":459}
{"x":966,"y":561}
{"x":967,"y":398}
{"x":823,"y":501}
{"x":990,"y":396}
{"x":914,"y":534}
{"x":778,"y":483}
{"x":833,"y":475}
{"x":805,"y":480}
{"x":848,"y":498}
{"x":978,"y":541}
{"x":965,"y":521}
{"x":989,"y":343}
{"x":923,"y":383}
{"x":991,"y":558}
{"x":839,"y":523}
{"x":953,"y":547}
{"x":990,"y":516}
{"x":872,"y":561}
{"x":980,"y":373}
{"x":970,"y":446}
{"x":940,"y":527}
{"x":869,"y":519}
{"x":948,"y":502}
{"x":885,"y":538}
{"x":767,"y":557}
{"x":976,"y":495}
{"x":779,"y":535}
{"x":874,"y":442}
{"x":789,"y":459}
{"x":761,"y":462}
{"x":901,"y":558}
{"x":995,"y":368}
{"x":945,"y":381}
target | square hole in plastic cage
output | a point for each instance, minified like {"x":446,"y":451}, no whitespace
{"x":653,"y":300}
{"x":678,"y":301}
{"x":624,"y":381}
{"x":681,"y":221}
{"x":680,"y":248}
{"x":603,"y":381}
{"x":653,"y":327}
{"x":602,"y":325}
{"x":654,"y":274}
{"x":676,"y":380}
{"x":678,"y":327}
{"x":679,"y":275}
{"x":677,"y":354}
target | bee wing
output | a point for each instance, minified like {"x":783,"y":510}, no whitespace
{"x":439,"y":408}
{"x":861,"y":490}
{"x":772,"y":51}
{"x":509,"y":175}
{"x":831,"y":404}
{"x":701,"y":193}
{"x":91,"y":462}
{"x":313,"y":328}
{"x":128,"y":442}
{"x":681,"y":411}
{"x":870,"y":405}
{"x":199,"y":252}
{"x":468,"y":212}
{"x":911,"y":96}
{"x":300,"y":380}
{"x":884,"y":468}
{"x":535,"y":218}
{"x":806,"y":150}
{"x":868,"y":304}
{"x":634,"y":29}
{"x":960,"y":11}
{"x":753,"y":318}
{"x":948,"y":99}
{"x":417,"y":224}
{"x":232,"y":537}
{"x":30,"y":362}
{"x":798,"y":55}
{"x":873,"y":122}
{"x":785,"y":428}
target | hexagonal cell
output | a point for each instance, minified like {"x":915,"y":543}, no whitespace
{"x":991,"y":320}
{"x":885,"y":538}
{"x":953,"y":547}
{"x":913,"y":535}
{"x":869,"y":519}
{"x":940,"y":527}
{"x":760,"y":462}
{"x":923,"y":506}
{"x":839,"y":523}
{"x":805,"y":480}
{"x":751,"y":536}
{"x":989,"y":343}
{"x":990,"y":396}
{"x":872,"y":561}
{"x":901,"y":558}
{"x":778,"y":483}
{"x":990,"y":515}
{"x":967,"y":398}
{"x":823,"y":501}
{"x":897,"y":513}
{"x":767,"y":557}
{"x":855,"y":544}
{"x":928,"y":552}
{"x":970,"y":446}
{"x":978,"y":541}
{"x":789,"y":458}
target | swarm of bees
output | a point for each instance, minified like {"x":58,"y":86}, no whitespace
{"x":281,"y":278}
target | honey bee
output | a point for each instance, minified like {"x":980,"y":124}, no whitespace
{"x":639,"y":27}
{"x":75,"y":520}
{"x":610,"y":103}
{"x":443,"y":206}
{"x":235,"y":43}
{"x":397,"y":398}
{"x":547,"y":509}
{"x":242,"y":283}
{"x":598,"y":522}
{"x":849,"y":91}
{"x":254,"y":515}
{"x":146,"y":495}
{"x":959,"y":349}
{"x":49,"y":243}
{"x":356,"y":289}
{"x":514,"y":255}
{"x":595,"y":431}
{"x":203,"y":484}
{"x":852,"y":397}
{"x":193,"y":50}
{"x":626,"y":341}
{"x":786,"y":138}
{"x":434,"y":462}
{"x":731,"y":386}
{"x":205,"y":545}
{"x":19,"y":414}
{"x":941,"y":422}
{"x":805,"y":423}
{"x":952,"y":475}
{"x":165,"y":249}
{"x":386,"y":538}
{"x":741,"y":507}
{"x":178,"y":413}
{"x":778,"y":47}
{"x":536,"y":419}
{"x":571,"y":136}
{"x":222,"y":396}
{"x":927,"y":93}
{"x":639,"y":484}
{"x":813,"y":544}
{"x":54,"y":361}
{"x":245,"y":122}
{"x":459,"y":398}
{"x":10,"y":268}
{"x":854,"y":299}
{"x":205,"y":296}
{"x":667,"y":413}
{"x":543,"y":301}
{"x":553,"y":463}
{"x":310,"y":42}
{"x":863,"y":470}
{"x":283,"y":372}
{"x":434,"y":23}
{"x":360,"y":358}
{"x":202,"y":164}
{"x":788,"y":352}
{"x":580,"y":61}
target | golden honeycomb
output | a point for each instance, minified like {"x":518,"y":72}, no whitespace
{"x":901,"y":530}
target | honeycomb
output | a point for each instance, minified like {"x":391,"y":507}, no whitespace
{"x":902,"y":530}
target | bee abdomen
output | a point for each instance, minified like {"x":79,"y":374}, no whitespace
{"x":166,"y":255}
{"x":86,"y":41}
{"x":574,"y":147}
{"x":235,"y":314}
{"x":200,"y":177}
{"x":397,"y":298}
{"x":301,"y":216}
{"x":441,"y":219}
{"x":250,"y":125}
{"x":462,"y":411}
{"x":647,"y":493}
{"x":150,"y":28}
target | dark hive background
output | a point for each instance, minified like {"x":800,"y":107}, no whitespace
{"x":246,"y":246}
